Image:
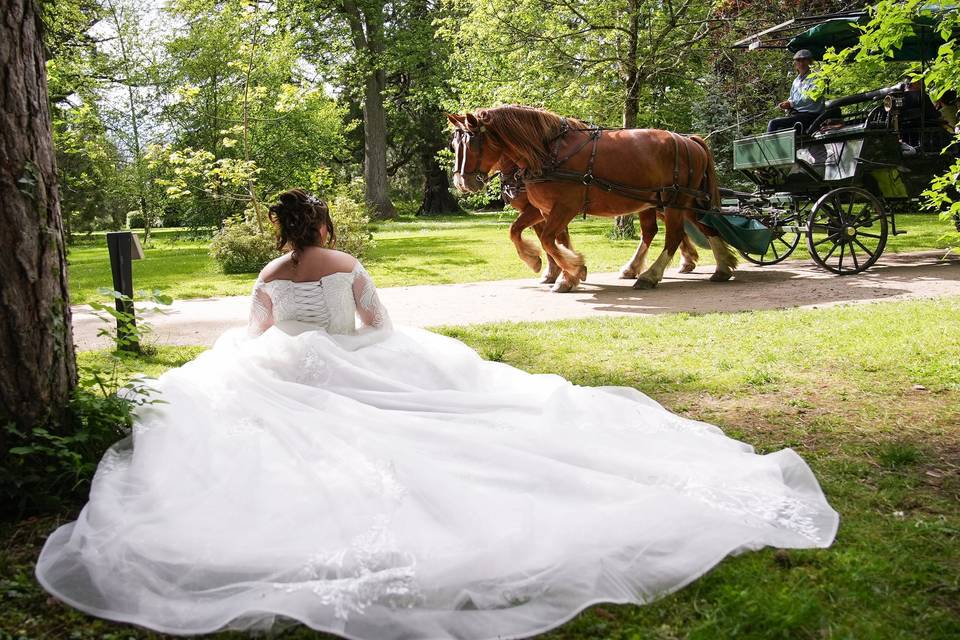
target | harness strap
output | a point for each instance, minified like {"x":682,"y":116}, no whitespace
{"x":587,"y":178}
{"x":560,"y":162}
{"x":640,"y":194}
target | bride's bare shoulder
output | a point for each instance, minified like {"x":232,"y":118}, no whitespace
{"x":314,"y":263}
{"x":278,"y":269}
{"x":318,"y":262}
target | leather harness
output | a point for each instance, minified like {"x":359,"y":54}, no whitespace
{"x":513,"y":185}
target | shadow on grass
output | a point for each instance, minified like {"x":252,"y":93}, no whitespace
{"x":786,"y":286}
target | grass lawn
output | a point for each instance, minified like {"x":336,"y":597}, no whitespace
{"x":408,"y":250}
{"x":869,"y":395}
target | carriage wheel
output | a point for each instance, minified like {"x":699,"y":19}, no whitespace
{"x":781,"y":244}
{"x":847,"y":230}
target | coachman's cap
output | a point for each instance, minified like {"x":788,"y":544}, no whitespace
{"x":803,"y":54}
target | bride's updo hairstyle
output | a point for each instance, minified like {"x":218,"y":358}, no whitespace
{"x":299,"y":216}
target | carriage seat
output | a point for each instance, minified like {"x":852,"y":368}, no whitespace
{"x":830,"y":118}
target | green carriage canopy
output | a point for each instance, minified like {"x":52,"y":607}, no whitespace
{"x":842,"y":30}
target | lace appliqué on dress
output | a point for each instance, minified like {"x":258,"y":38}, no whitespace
{"x":313,"y":370}
{"x":777,"y":510}
{"x":369,"y":308}
{"x":261,"y":310}
{"x":371,"y":570}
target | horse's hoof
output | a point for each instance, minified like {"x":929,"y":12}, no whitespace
{"x":549,"y":278}
{"x":627,"y":274}
{"x":644,"y":284}
{"x":687,"y":268}
{"x":719,"y":276}
{"x":562,"y":287}
{"x":582,"y":274}
{"x":537,"y":266}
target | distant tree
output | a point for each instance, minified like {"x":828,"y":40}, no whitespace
{"x":630,"y":63}
{"x":418,"y":87}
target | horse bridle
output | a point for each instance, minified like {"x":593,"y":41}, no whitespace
{"x":464,"y":137}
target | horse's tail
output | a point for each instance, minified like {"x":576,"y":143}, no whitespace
{"x":712,"y":187}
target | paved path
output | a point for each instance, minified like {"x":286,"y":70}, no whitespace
{"x":791,"y":284}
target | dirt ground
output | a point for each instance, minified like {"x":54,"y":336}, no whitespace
{"x":789,"y":284}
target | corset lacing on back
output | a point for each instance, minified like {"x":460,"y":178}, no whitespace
{"x":330,"y":303}
{"x":310,"y":305}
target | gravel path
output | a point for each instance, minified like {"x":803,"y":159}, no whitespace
{"x":790,"y":284}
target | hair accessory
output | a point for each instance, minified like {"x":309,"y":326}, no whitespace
{"x":313,"y":201}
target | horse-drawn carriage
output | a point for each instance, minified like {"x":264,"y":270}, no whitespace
{"x":831,"y":182}
{"x":834,"y":182}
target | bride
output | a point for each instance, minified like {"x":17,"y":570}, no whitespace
{"x":382,"y":482}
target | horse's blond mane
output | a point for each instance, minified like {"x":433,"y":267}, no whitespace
{"x":524,"y":132}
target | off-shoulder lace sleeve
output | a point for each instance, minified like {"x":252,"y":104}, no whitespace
{"x":372,"y":313}
{"x":261,"y":310}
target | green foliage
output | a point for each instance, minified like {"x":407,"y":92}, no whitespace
{"x":191,"y":172}
{"x":483,"y":198}
{"x":127,"y":326}
{"x":250,"y":119}
{"x":136,"y":220}
{"x":52,"y":464}
{"x":352,"y":223}
{"x":577,"y":59}
{"x":942,"y":196}
{"x":241,"y":247}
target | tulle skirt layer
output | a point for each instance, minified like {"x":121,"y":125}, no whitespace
{"x":397,"y":486}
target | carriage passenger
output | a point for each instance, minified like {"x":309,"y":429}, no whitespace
{"x":918,"y":114}
{"x":800,"y":107}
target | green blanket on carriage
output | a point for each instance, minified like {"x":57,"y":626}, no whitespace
{"x":745,"y":234}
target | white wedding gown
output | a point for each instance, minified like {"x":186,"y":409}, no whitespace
{"x":390,"y":484}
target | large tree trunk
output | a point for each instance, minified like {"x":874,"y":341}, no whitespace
{"x":366,"y":30}
{"x":437,"y":199}
{"x":37,"y":363}
{"x":375,"y":148}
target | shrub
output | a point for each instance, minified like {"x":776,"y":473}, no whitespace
{"x":353,"y":225}
{"x":53,"y":464}
{"x":240,"y":247}
{"x":172,"y":217}
{"x":355,"y":190}
{"x":485,"y":198}
{"x":135,"y":220}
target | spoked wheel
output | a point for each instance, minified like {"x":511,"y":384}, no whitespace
{"x":785,"y":239}
{"x":847,"y":230}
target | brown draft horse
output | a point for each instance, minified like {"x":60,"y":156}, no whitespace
{"x":530,"y":217}
{"x":646,"y":162}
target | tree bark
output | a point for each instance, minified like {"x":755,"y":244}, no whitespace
{"x":37,"y":361}
{"x":375,"y":148}
{"x":366,"y":30}
{"x":437,"y":199}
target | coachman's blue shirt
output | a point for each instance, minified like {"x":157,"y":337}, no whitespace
{"x":799,"y":95}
